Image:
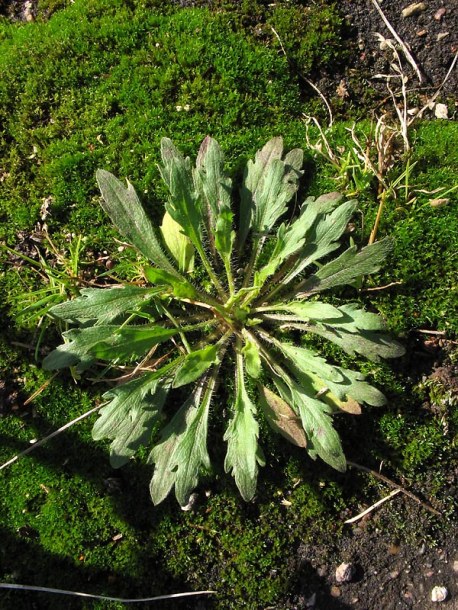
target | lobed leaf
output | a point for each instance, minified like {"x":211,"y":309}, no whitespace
{"x":243,"y":454}
{"x":131,"y":415}
{"x":322,"y":438}
{"x":182,"y":451}
{"x":111,"y":342}
{"x":347,"y":267}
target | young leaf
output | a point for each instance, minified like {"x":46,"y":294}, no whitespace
{"x":183,"y":205}
{"x":130,"y":416}
{"x":181,"y":288}
{"x":178,"y":244}
{"x":125,"y":210}
{"x":242,"y":433}
{"x":250,"y":352}
{"x":281,"y":418}
{"x":105,"y":305}
{"x":195,"y":365}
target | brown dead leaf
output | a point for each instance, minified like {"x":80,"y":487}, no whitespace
{"x":282,"y":418}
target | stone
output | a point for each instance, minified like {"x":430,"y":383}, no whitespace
{"x":413,"y":9}
{"x":439,"y":594}
{"x":344,"y":572}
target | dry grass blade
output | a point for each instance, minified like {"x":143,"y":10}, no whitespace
{"x":388,"y":481}
{"x":49,"y":437}
{"x":102,"y":597}
{"x":404,"y":47}
{"x":368,"y":510}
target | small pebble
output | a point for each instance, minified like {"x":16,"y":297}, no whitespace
{"x":439,"y":13}
{"x":442,"y":35}
{"x":413,"y":9}
{"x":441,"y":111}
{"x":344,"y":573}
{"x":439,"y":594}
{"x":335,"y":591}
{"x":422,"y":33}
{"x":455,"y":566}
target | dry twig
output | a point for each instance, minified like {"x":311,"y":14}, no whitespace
{"x":388,"y":481}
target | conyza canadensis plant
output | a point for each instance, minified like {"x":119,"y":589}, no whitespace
{"x":228,"y":303}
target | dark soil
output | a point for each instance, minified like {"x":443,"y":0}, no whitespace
{"x":431,"y":36}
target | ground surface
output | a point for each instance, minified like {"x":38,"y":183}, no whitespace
{"x":389,"y":574}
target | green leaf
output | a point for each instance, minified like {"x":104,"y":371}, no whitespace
{"x":178,"y":244}
{"x":268,"y":185}
{"x":242,"y":433}
{"x":306,"y":361}
{"x":131,"y":415}
{"x":348,"y":267}
{"x":183,"y":206}
{"x":322,"y":438}
{"x":103,"y":304}
{"x":310,"y":310}
{"x":111,"y":342}
{"x":224,"y":236}
{"x":180,"y":288}
{"x":195,"y":365}
{"x":353,"y":319}
{"x":182,"y":451}
{"x":77,"y":347}
{"x":250,"y":352}
{"x":373,"y":345}
{"x":213,"y":185}
{"x":126,"y":212}
{"x":281,"y":417}
{"x":323,"y":238}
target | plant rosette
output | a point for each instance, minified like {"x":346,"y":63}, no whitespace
{"x":216,"y":298}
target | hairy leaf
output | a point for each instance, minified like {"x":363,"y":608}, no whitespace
{"x":250,"y":352}
{"x":212,"y":183}
{"x":126,"y":212}
{"x":322,"y":438}
{"x":242,"y":433}
{"x":122,"y":344}
{"x":104,"y":305}
{"x":348,"y":267}
{"x":195,"y":365}
{"x":182,"y":451}
{"x":324,"y":236}
{"x":180,"y":287}
{"x":373,"y":345}
{"x":130,"y":415}
{"x":183,"y":206}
